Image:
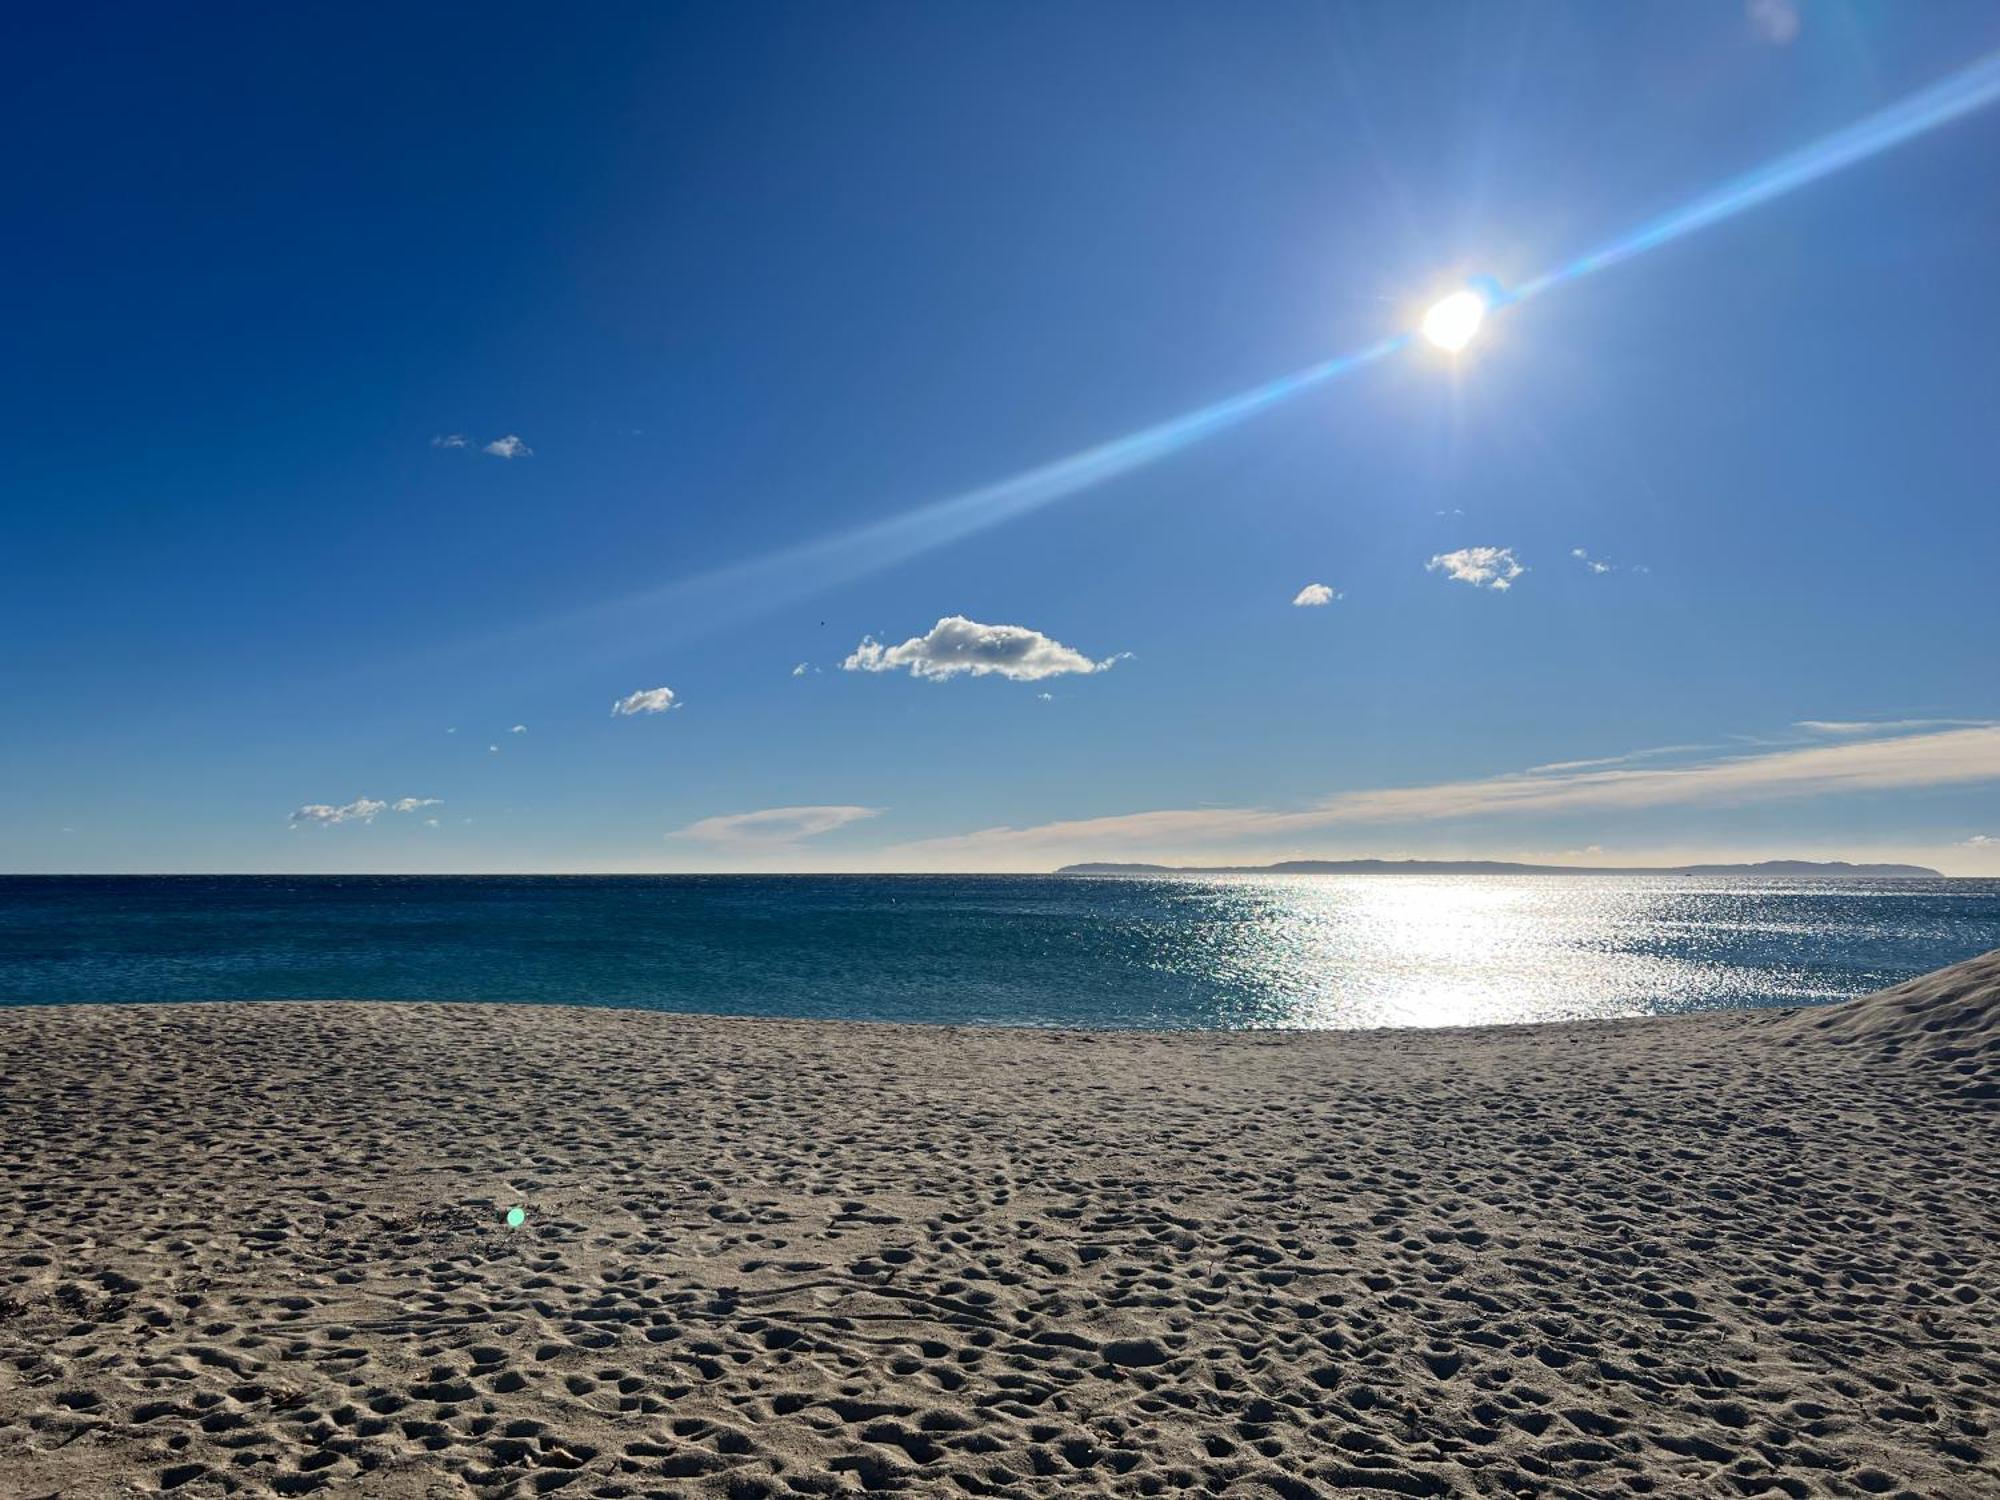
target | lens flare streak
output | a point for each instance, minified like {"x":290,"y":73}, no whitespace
{"x":785,"y":576}
{"x":919,"y":530}
{"x":1968,"y":90}
{"x":793,"y":573}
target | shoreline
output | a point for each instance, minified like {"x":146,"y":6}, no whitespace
{"x":260,"y":1248}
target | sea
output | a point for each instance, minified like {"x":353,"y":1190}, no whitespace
{"x":1223,"y":952}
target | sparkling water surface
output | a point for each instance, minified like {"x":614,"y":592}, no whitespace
{"x":1225,"y":952}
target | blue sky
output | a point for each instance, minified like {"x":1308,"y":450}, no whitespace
{"x":733,"y":293}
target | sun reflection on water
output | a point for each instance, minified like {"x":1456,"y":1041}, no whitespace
{"x":1418,"y":950}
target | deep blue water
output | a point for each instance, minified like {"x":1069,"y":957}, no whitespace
{"x":1239,"y":951}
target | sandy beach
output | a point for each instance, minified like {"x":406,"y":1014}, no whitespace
{"x":261,"y":1249}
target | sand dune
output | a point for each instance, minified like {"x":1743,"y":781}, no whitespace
{"x":257,"y":1249}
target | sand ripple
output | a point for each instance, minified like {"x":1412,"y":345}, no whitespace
{"x":260,"y":1249}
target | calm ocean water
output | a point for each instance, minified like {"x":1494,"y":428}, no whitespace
{"x":1238,"y":951}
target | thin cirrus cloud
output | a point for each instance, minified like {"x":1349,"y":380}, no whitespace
{"x":646,"y":701}
{"x":1879,"y":726}
{"x":1482,"y":567}
{"x":956,"y":646}
{"x":448,"y":440}
{"x":1313,"y":595}
{"x":360,"y":810}
{"x":1937,"y":758}
{"x":772,"y":827}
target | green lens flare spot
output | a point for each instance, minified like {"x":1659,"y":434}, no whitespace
{"x":516,"y":1217}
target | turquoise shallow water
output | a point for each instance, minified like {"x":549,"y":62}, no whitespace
{"x":1229,"y":952}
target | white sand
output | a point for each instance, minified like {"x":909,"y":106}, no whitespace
{"x":248,"y":1249}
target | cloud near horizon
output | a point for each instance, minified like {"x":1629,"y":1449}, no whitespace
{"x":646,"y":701}
{"x":772,"y":827}
{"x":1881,"y":726}
{"x":1482,"y":567}
{"x":957,"y":646}
{"x":360,"y":810}
{"x":1942,"y":758}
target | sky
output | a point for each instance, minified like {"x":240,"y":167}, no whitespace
{"x":772,"y":437}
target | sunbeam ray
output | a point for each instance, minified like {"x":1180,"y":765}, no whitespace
{"x":748,"y":588}
{"x":1962,"y":93}
{"x":788,"y":575}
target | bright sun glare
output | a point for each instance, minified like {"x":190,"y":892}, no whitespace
{"x":1450,"y":324}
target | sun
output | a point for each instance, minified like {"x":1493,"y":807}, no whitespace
{"x":1451,"y":323}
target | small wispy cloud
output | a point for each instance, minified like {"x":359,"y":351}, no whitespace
{"x":803,"y":668}
{"x":1948,"y":757}
{"x":1980,"y":841}
{"x":1482,"y":567}
{"x":645,"y":701}
{"x":1883,"y":726}
{"x":1313,"y":595}
{"x":1595,"y":564}
{"x":957,"y":646}
{"x":509,"y":446}
{"x":519,"y":729}
{"x":360,"y":810}
{"x":1774,"y":21}
{"x":772,"y":827}
{"x":448,"y":440}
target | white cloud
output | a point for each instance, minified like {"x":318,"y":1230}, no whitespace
{"x":508,"y":447}
{"x":1980,"y":841}
{"x":802,"y":668}
{"x":1940,"y":758}
{"x":360,"y":810}
{"x":956,"y":645}
{"x":448,"y":440}
{"x":1595,"y":564}
{"x":1775,"y":21}
{"x":1313,"y":595}
{"x":645,"y":701}
{"x":430,"y":822}
{"x":1482,"y":567}
{"x":772,"y":827}
{"x":1881,"y":726}
{"x":519,"y":729}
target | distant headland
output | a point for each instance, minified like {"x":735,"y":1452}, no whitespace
{"x":1836,"y":869}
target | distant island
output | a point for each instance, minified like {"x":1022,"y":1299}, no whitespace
{"x":1837,"y":869}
